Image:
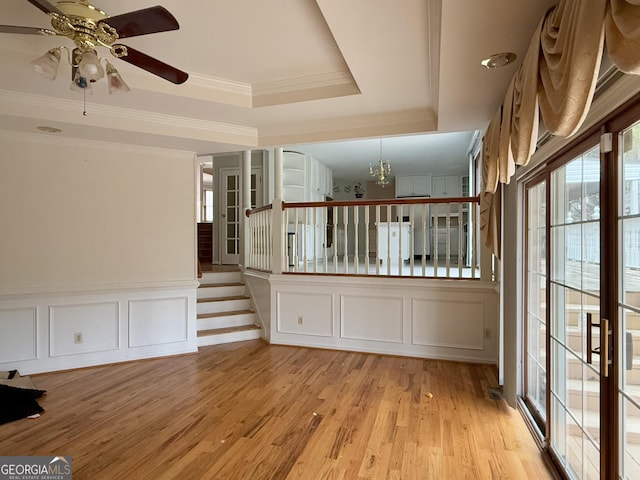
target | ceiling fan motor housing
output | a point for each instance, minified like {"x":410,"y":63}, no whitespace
{"x":81,"y":23}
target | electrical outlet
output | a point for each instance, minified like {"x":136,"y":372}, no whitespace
{"x":300,"y":320}
{"x":487,"y":334}
{"x":77,"y":337}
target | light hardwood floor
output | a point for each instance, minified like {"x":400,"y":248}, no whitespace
{"x":251,"y":411}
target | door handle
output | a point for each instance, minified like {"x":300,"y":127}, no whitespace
{"x":603,"y":349}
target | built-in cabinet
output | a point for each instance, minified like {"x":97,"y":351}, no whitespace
{"x":304,"y":179}
{"x":446,"y":186}
{"x":413,"y":186}
{"x":436,"y":186}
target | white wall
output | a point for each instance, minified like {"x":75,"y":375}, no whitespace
{"x":97,"y":239}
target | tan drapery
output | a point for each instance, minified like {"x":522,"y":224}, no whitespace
{"x":556,"y":82}
{"x":557,"y":78}
{"x":490,"y":152}
{"x":571,"y":50}
{"x":525,"y":117}
{"x":490,"y":204}
{"x":622,"y":27}
{"x":506,"y":166}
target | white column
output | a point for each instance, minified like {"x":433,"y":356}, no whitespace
{"x":278,"y":223}
{"x":246,"y":172}
{"x":245,"y":168}
{"x":277,"y":176}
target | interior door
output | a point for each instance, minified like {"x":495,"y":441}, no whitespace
{"x":230,"y":216}
{"x":231,"y":210}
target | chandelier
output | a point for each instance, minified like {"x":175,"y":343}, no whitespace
{"x":382,"y":172}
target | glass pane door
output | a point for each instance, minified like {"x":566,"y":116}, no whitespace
{"x":629,"y":302}
{"x":575,"y":301}
{"x":536,"y":316}
{"x":231,"y":217}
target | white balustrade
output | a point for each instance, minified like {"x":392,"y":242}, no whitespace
{"x":407,"y":238}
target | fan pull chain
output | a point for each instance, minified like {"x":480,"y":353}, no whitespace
{"x":84,"y":102}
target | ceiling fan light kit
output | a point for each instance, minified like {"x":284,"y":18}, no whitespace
{"x":90,"y":28}
{"x":47,"y":64}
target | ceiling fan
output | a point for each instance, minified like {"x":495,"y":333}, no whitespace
{"x":89,"y":27}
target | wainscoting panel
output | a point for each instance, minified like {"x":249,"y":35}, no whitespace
{"x":158,"y":321}
{"x":75,"y":329}
{"x":83,"y":328}
{"x":457,"y":324}
{"x":305,"y":313}
{"x":19,"y":334}
{"x":424,"y":318}
{"x":376,"y":318}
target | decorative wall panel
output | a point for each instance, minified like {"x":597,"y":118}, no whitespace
{"x":441,"y":323}
{"x":83,"y":328}
{"x":158,"y":321}
{"x":18,"y":340}
{"x":305,"y":313}
{"x":372,"y":318}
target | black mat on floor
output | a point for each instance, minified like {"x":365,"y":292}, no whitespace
{"x":18,"y":397}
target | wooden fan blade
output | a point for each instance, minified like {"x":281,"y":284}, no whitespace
{"x":26,"y":30}
{"x":142,"y":22}
{"x":152,"y":65}
{"x":45,"y":6}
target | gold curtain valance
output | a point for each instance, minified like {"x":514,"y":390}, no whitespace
{"x":556,"y":82}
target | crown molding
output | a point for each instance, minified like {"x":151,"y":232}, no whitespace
{"x":304,"y":88}
{"x":360,"y":126}
{"x":214,"y":83}
{"x":81,"y":143}
{"x":306,"y":82}
{"x":64,"y":110}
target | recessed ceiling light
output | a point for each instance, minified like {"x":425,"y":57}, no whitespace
{"x":44,"y":128}
{"x":498,"y":60}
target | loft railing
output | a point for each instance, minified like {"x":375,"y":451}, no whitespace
{"x":260,"y":251}
{"x":404,"y":237}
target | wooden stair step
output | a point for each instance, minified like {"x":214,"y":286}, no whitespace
{"x":223,"y":299}
{"x":230,"y":284}
{"x":220,"y":331}
{"x":225,"y":314}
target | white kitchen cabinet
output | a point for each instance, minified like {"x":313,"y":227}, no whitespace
{"x":445,"y":186}
{"x":413,"y":186}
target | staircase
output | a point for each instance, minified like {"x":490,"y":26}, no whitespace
{"x":224,"y":310}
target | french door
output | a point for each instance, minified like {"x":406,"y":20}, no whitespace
{"x":582,"y":305}
{"x":231,"y":210}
